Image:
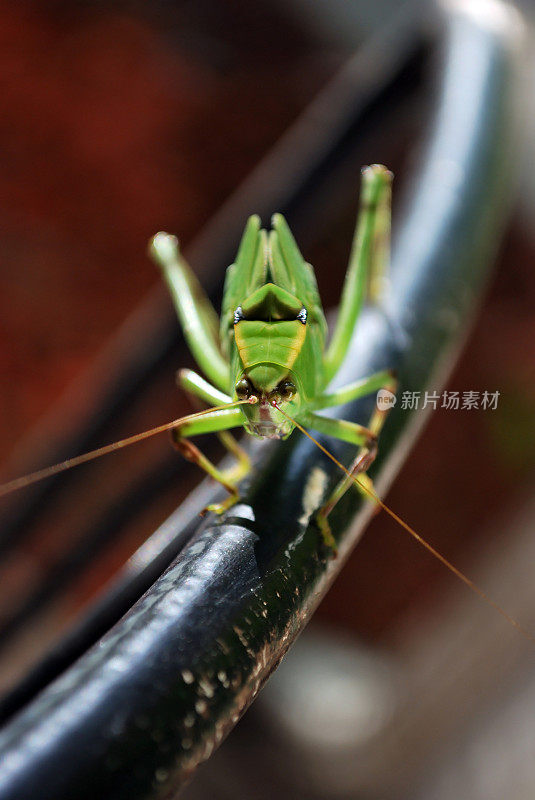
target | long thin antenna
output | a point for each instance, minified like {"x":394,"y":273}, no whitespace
{"x":471,"y":585}
{"x":47,"y":472}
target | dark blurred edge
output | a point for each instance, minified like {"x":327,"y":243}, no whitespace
{"x":135,"y":715}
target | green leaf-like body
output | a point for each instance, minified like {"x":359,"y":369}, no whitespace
{"x":264,"y":329}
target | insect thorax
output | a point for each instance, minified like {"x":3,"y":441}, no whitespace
{"x":271,"y":334}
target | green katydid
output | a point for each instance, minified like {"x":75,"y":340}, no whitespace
{"x":271,"y":345}
{"x":267,"y":360}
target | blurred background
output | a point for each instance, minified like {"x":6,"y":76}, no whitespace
{"x":122,"y":119}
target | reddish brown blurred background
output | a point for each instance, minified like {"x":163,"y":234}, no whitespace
{"x":114,"y":128}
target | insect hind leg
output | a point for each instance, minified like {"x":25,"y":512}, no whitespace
{"x":367,"y":263}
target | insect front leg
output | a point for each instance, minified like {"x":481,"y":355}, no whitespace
{"x":347,"y":431}
{"x":199,"y":389}
{"x":243,"y":466}
{"x":214,"y":422}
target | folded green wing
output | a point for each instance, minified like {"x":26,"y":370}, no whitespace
{"x":290,"y":270}
{"x":248,"y":273}
{"x":275,"y":258}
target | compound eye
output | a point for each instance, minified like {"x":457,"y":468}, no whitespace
{"x":243,"y":389}
{"x":286,"y":390}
